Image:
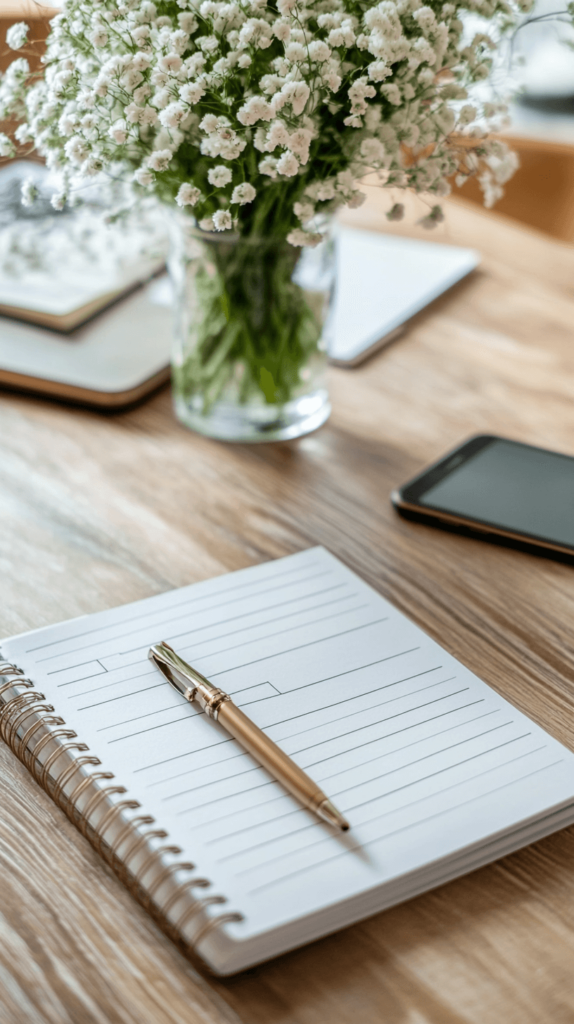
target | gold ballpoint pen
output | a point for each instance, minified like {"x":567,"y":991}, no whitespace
{"x":219,"y":706}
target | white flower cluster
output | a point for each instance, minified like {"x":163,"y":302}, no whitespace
{"x":260,"y":115}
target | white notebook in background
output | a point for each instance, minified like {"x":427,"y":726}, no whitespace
{"x":436,"y":773}
{"x":117,"y":357}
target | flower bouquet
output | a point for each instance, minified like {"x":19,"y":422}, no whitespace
{"x":253,"y":121}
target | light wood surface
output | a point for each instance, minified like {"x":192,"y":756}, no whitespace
{"x":98,"y":510}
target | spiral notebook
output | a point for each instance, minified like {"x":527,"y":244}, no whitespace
{"x":435,"y":771}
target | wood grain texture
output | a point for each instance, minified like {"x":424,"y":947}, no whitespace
{"x":97,"y":510}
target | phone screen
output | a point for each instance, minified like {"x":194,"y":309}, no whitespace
{"x":512,"y":486}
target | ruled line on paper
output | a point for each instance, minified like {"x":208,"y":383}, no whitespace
{"x":335,"y":793}
{"x":140,"y":616}
{"x":378,"y":739}
{"x":173,"y":796}
{"x":152,"y":672}
{"x":338,"y":675}
{"x":197,"y":711}
{"x":414,"y":824}
{"x":163,"y":725}
{"x":349,"y":808}
{"x":162,"y":686}
{"x":257,"y":612}
{"x":277,"y":693}
{"x":369,"y":711}
{"x":276,"y":654}
{"x":218,"y":819}
{"x":189,"y":632}
{"x":299,"y":647}
{"x":323,"y":839}
{"x":95,"y":669}
{"x":305,"y":714}
{"x":369,"y":707}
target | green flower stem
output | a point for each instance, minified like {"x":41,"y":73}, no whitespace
{"x":253,"y":328}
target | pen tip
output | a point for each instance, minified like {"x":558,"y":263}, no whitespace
{"x":329,"y":813}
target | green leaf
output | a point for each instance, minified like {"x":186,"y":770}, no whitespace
{"x":267,"y":385}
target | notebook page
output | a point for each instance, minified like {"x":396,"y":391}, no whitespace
{"x":423,"y":758}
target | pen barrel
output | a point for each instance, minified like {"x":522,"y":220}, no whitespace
{"x":270,"y":756}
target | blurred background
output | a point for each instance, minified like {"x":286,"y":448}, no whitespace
{"x":105,"y":368}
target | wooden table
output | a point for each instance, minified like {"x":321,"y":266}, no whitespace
{"x":99,"y":510}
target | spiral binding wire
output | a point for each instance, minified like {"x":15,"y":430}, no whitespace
{"x":23,"y":739}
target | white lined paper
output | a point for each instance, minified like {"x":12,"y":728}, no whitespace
{"x":423,"y":757}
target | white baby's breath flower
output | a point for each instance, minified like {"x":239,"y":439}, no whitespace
{"x":179,"y":41}
{"x":278,"y":135}
{"x":299,"y":142}
{"x":333,"y":81}
{"x":298,"y":237}
{"x":119,"y":131}
{"x":219,"y":176}
{"x":187,"y":21}
{"x":141,"y":61}
{"x":396,"y":212}
{"x":140,"y":34}
{"x":143,"y":176}
{"x":268,"y":166}
{"x":173,"y":115}
{"x":379,"y":70}
{"x":325,"y":190}
{"x":92,"y":166}
{"x":222,"y":220}
{"x":243,"y":194}
{"x":466,"y":114}
{"x":7,"y":147}
{"x":148,"y":117}
{"x":188,"y":194}
{"x":357,"y":199}
{"x":256,"y":109}
{"x":29,"y":192}
{"x":161,"y":98}
{"x":160,"y":160}
{"x":288,"y":165}
{"x":17,"y":35}
{"x":295,"y":94}
{"x":304,"y":211}
{"x":286,"y":91}
{"x":76,"y":150}
{"x":319,"y":51}
{"x":23,"y":135}
{"x":209,"y":44}
{"x":373,"y":151}
{"x":295,"y":52}
{"x":58,"y":200}
{"x":170,"y":64}
{"x":282,"y":31}
{"x":99,"y":36}
{"x":192,"y":92}
{"x":209,"y":123}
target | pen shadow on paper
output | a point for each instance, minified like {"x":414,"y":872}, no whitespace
{"x":417,"y":960}
{"x":352,"y":845}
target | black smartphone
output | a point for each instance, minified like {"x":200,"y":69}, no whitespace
{"x":506,"y":491}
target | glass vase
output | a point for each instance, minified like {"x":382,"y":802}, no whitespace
{"x":249,"y":357}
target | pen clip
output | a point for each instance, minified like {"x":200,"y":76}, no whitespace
{"x":187,"y":680}
{"x":181,"y":675}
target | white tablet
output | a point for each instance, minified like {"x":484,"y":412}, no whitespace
{"x":383,"y":281}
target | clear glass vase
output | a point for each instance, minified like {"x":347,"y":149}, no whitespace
{"x":249,"y":357}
